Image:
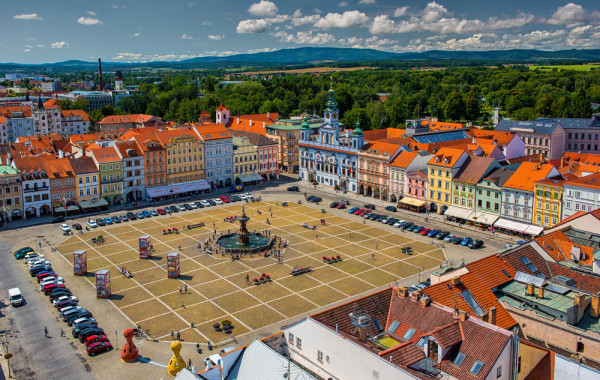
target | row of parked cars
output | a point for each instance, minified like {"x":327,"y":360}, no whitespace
{"x":101,"y":222}
{"x":85,"y":327}
{"x":446,"y":236}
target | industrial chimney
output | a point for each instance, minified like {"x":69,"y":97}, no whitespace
{"x":100,"y":84}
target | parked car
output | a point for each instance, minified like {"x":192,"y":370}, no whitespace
{"x":235,"y":198}
{"x":456,"y":240}
{"x":341,"y":206}
{"x":83,"y":321}
{"x":61,"y":292}
{"x":391,"y":221}
{"x":425,"y":231}
{"x":65,"y":312}
{"x":187,"y":207}
{"x":351,"y":211}
{"x":218,"y":201}
{"x":475,"y":244}
{"x":441,"y":235}
{"x":80,"y":314}
{"x":140,"y":215}
{"x":124,"y":218}
{"x":83,"y":326}
{"x":116,"y":219}
{"x":193,"y":206}
{"x":399,"y":223}
{"x":89,"y":332}
{"x":45,"y":274}
{"x":432,"y":233}
{"x":391,"y":208}
{"x":31,"y":256}
{"x":181,"y":207}
{"x":37,"y":269}
{"x":466,"y":241}
{"x":344,"y":201}
{"x":131,"y":216}
{"x":98,"y":347}
{"x":21,"y":253}
{"x":418,"y":229}
{"x":100,"y":222}
{"x":65,"y":228}
{"x":293,"y":188}
{"x":333,"y":205}
{"x":51,"y":280}
{"x":65,"y":301}
{"x":146,"y":214}
{"x":211,"y":202}
{"x":205,"y":203}
{"x":313,"y":199}
{"x":76,"y":226}
{"x":58,"y":219}
{"x":92,"y":224}
{"x":49,"y":288}
{"x":108,"y":221}
{"x":448,"y":238}
{"x":225,"y":199}
{"x":153,"y":212}
{"x":161,"y":211}
{"x":95,"y":338}
{"x":369,"y":206}
{"x":173,"y":209}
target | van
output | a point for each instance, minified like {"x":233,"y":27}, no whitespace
{"x":15,"y":297}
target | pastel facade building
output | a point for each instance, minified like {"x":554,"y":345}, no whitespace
{"x":63,"y":190}
{"x":11,"y":193}
{"x":87,"y":181}
{"x":184,"y":152}
{"x":548,"y":198}
{"x":581,"y":194}
{"x":74,"y":122}
{"x":373,"y":169}
{"x":286,"y":133}
{"x":442,"y":168}
{"x":266,"y":152}
{"x":132,"y":160}
{"x":541,"y":137}
{"x":582,"y":135}
{"x":218,"y":154}
{"x":110,"y":170}
{"x":35,"y":186}
{"x":404,"y":163}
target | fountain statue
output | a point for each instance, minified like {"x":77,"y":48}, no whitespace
{"x":243,"y":234}
{"x":243,"y":241}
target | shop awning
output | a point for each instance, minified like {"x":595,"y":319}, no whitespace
{"x":458,"y":212}
{"x":511,"y":225}
{"x":534,"y":230}
{"x":59,"y":209}
{"x":93,"y":203}
{"x":177,"y":188}
{"x":483,"y":217}
{"x":250,"y":177}
{"x":413,"y":202}
{"x":72,"y":208}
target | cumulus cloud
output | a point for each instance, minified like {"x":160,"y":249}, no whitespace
{"x":263,"y":50}
{"x":252,"y":26}
{"x":215,"y":37}
{"x":584,"y":36}
{"x":366,"y":2}
{"x":205,"y":23}
{"x":59,"y":45}
{"x":402,"y":11}
{"x":307,"y":38}
{"x":134,"y":35}
{"x":572,"y":15}
{"x":348,"y":19}
{"x":91,"y":13}
{"x":309,"y":19}
{"x":186,"y":37}
{"x":89,"y":21}
{"x":383,"y":24}
{"x":343,"y":4}
{"x":264,"y":8}
{"x":27,"y":17}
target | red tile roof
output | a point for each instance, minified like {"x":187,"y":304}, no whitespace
{"x":133,"y":118}
{"x":104,"y":155}
{"x":76,"y":113}
{"x":380,"y":148}
{"x":384,"y":133}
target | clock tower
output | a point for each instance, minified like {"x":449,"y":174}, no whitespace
{"x":332,"y":113}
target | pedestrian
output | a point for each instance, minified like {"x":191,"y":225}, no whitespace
{"x":377,"y":246}
{"x":185,"y":288}
{"x":172,"y":334}
{"x":182,"y":305}
{"x":271,"y":214}
{"x":180,"y":289}
{"x":214,"y":225}
{"x":372,"y":256}
{"x":317,"y":236}
{"x":189,"y":363}
{"x":180,"y":247}
{"x":46,"y":331}
{"x":178,"y":335}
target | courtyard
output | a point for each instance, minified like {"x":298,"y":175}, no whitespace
{"x":216,"y":287}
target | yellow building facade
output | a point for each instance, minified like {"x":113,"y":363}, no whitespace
{"x":245,"y":156}
{"x":185,"y":156}
{"x":547,"y":208}
{"x":441,"y":169}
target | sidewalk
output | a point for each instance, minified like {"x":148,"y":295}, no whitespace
{"x":381,"y":203}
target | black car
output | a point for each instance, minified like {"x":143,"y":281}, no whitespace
{"x":76,"y":226}
{"x":475,"y":244}
{"x":391,"y":221}
{"x":456,"y":240}
{"x":37,"y":269}
{"x":174,"y":209}
{"x":293,"y":188}
{"x":100,"y":222}
{"x":391,"y":208}
{"x":235,"y":198}
{"x":83,"y":313}
{"x":369,"y":206}
{"x":60,"y":292}
{"x":82,"y":326}
{"x":212,"y":203}
{"x":199,"y":205}
{"x":89,"y":332}
{"x":131,"y":216}
{"x":441,"y":235}
{"x":116,"y":219}
{"x":58,"y":219}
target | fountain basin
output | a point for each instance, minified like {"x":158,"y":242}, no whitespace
{"x":256,"y":243}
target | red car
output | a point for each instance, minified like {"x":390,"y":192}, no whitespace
{"x":425,"y":231}
{"x":49,"y":288}
{"x":225,"y":199}
{"x":161,"y":211}
{"x":341,"y":206}
{"x":45,"y":274}
{"x":98,"y":347}
{"x":95,"y":338}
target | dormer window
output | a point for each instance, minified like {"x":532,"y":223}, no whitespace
{"x":437,"y":159}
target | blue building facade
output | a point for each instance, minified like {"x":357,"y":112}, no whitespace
{"x":330,"y":157}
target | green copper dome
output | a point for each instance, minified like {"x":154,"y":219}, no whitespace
{"x":305,"y":124}
{"x":357,"y":130}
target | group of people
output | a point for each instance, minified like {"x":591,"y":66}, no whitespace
{"x":175,"y":334}
{"x":125,"y":272}
{"x":305,"y":225}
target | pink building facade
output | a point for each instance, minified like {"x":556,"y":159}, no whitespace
{"x":415,"y":185}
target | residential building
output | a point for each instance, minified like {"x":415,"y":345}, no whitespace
{"x":74,"y":122}
{"x":184,"y":152}
{"x":393,"y":335}
{"x":95,"y":99}
{"x":547,"y":138}
{"x":442,"y":168}
{"x":63,"y":189}
{"x":582,"y":135}
{"x":415,"y":198}
{"x":548,"y":198}
{"x":15,"y":121}
{"x":404,"y":163}
{"x":245,"y":157}
{"x":35,"y":185}
{"x":489,"y":198}
{"x":582,"y":194}
{"x":11,"y":195}
{"x":132,"y":160}
{"x":155,"y":158}
{"x":373,"y":168}
{"x":518,"y":198}
{"x":110,"y":170}
{"x":46,"y":120}
{"x":115,"y":122}
{"x":86,"y":178}
{"x":218,"y":154}
{"x":267,"y":152}
{"x":286,"y":133}
{"x":511,"y":143}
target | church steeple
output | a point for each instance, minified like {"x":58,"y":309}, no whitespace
{"x":40,"y":103}
{"x":331,"y":111}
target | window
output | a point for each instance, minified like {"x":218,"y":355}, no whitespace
{"x":459,"y":359}
{"x":499,"y":371}
{"x":320,"y":356}
{"x":298,"y":342}
{"x":291,"y":339}
{"x":409,"y":334}
{"x":580,"y":347}
{"x":476,"y":367}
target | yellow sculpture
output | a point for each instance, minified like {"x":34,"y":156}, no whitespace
{"x":176,"y":363}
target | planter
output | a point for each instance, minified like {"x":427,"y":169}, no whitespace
{"x":226,"y":322}
{"x":217,"y":327}
{"x":268,"y":278}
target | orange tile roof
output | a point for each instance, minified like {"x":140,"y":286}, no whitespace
{"x":221,"y":107}
{"x":8,"y":110}
{"x":76,"y":113}
{"x":591,"y":181}
{"x":525,"y":176}
{"x":132,"y":118}
{"x":165,"y":137}
{"x":58,"y":167}
{"x":501,"y":137}
{"x":446,"y":157}
{"x":384,"y":133}
{"x":381,"y":148}
{"x":2,"y":119}
{"x":558,"y":245}
{"x":403,"y":159}
{"x":244,"y":125}
{"x":103,"y":155}
{"x":212,"y":131}
{"x":51,"y":103}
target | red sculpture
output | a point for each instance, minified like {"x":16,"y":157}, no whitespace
{"x":129,"y":353}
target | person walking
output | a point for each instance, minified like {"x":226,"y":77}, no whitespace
{"x":179,"y":247}
{"x":182,"y":305}
{"x":46,"y":331}
{"x":180,"y":289}
{"x":172,"y":334}
{"x":189,"y":364}
{"x":377,"y":246}
{"x":185,"y":288}
{"x":372,"y":256}
{"x":178,"y":335}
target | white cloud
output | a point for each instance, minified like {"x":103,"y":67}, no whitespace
{"x":40,"y":45}
{"x":348,"y":19}
{"x":384,"y":25}
{"x":91,"y":13}
{"x":434,"y":12}
{"x":89,"y":21}
{"x":252,"y":26}
{"x":59,"y":45}
{"x":263,"y":50}
{"x":584,"y":36}
{"x":215,"y":37}
{"x":134,"y":35}
{"x":307,"y":38}
{"x":343,"y":4}
{"x":186,"y":37}
{"x":402,"y":11}
{"x":191,"y":4}
{"x":27,"y":50}
{"x":366,"y":2}
{"x":264,"y":8}
{"x":311,"y":19}
{"x":28,"y":17}
{"x":572,"y":15}
{"x":205,"y":23}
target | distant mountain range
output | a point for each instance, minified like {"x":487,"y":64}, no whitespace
{"x":317,"y":55}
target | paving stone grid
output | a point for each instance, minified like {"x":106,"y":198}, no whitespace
{"x":216,"y":288}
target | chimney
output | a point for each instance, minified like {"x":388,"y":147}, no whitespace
{"x":541,"y":292}
{"x":595,"y":306}
{"x":402,"y":292}
{"x":455,"y":281}
{"x":414,"y":295}
{"x":530,"y":289}
{"x":491,"y":314}
{"x":269,"y":115}
{"x":238,"y":119}
{"x":462,"y":315}
{"x":100,"y":84}
{"x":264,"y":124}
{"x":575,"y":253}
{"x":425,"y":301}
{"x":579,"y":301}
{"x":250,"y":122}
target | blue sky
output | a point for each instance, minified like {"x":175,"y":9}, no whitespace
{"x":152,"y":30}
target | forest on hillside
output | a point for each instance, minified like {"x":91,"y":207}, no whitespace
{"x":452,"y":94}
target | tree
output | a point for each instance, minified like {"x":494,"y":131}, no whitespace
{"x":454,"y":106}
{"x":581,"y":105}
{"x":356,"y":114}
{"x":472,"y":106}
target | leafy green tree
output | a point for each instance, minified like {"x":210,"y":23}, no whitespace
{"x":454,"y":106}
{"x":356,"y":114}
{"x":472,"y":106}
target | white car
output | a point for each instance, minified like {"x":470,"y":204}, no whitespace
{"x":66,"y":309}
{"x":205,"y":203}
{"x":51,"y":280}
{"x":64,"y":298}
{"x":218,"y":201}
{"x":398,"y":223}
{"x":248,"y":195}
{"x":65,"y":228}
{"x":193,"y":205}
{"x":92,"y":224}
{"x":33,"y":263}
{"x":32,"y":257}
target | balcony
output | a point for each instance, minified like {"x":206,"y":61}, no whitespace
{"x":33,"y":190}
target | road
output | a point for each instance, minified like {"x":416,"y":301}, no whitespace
{"x":25,"y":326}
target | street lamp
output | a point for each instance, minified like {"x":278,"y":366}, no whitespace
{"x":65,"y":204}
{"x":4,"y":208}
